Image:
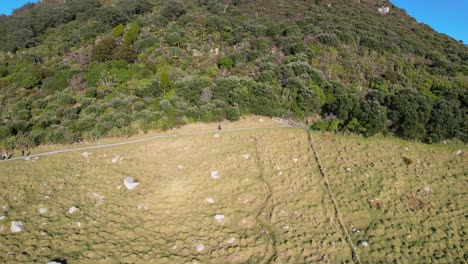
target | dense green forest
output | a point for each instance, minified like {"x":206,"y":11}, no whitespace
{"x":84,"y":69}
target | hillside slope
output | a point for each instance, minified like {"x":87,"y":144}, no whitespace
{"x":79,"y":70}
{"x":239,"y":197}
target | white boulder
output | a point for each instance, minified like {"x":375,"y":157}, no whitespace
{"x":363,"y":243}
{"x":73,"y":209}
{"x":17,"y":227}
{"x":131,"y":183}
{"x":200,"y":247}
{"x":214,"y":175}
{"x":219,"y":217}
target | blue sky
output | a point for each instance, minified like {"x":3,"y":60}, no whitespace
{"x":446,"y":16}
{"x":6,"y":6}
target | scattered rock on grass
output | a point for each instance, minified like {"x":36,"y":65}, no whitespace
{"x":85,"y":154}
{"x":180,"y":167}
{"x":115,"y":159}
{"x":427,"y":189}
{"x":99,"y":197}
{"x":214,"y":175}
{"x":73,"y":209}
{"x":200,"y":247}
{"x":356,"y":231}
{"x":363,"y":243}
{"x":2,"y":217}
{"x":219,"y":217}
{"x":58,"y":261}
{"x":459,"y":152}
{"x":216,"y":135}
{"x":210,"y":200}
{"x":231,"y":240}
{"x":131,"y":183}
{"x":17,"y":227}
{"x":42,"y":210}
{"x":142,"y":207}
{"x":245,"y":156}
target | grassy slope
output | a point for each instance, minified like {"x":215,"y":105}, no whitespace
{"x":275,"y":202}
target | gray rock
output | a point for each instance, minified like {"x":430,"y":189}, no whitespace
{"x":219,"y":217}
{"x":363,"y":243}
{"x":200,"y":247}
{"x":214,"y":175}
{"x":17,"y":227}
{"x":131,"y":183}
{"x":73,"y":209}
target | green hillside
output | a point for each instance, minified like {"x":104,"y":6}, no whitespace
{"x":85,"y":69}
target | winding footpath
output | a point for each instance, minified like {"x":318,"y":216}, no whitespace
{"x":138,"y":141}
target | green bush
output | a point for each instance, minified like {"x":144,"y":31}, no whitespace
{"x":233,"y":113}
{"x":103,"y":50}
{"x":131,"y":35}
{"x":118,"y":30}
{"x":225,"y":62}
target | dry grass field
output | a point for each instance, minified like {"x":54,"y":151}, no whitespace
{"x":408,"y":200}
{"x":236,"y":197}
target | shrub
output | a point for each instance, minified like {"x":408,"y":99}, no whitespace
{"x":225,"y":62}
{"x":103,"y":50}
{"x":329,"y":39}
{"x":118,"y":30}
{"x":132,"y":34}
{"x":233,"y":113}
{"x":173,"y":9}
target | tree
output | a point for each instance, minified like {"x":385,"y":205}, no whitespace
{"x":191,"y":89}
{"x":308,"y":100}
{"x":373,"y":118}
{"x":7,"y":146}
{"x":24,"y":142}
{"x":165,"y":82}
{"x":173,"y":9}
{"x":266,"y":99}
{"x":409,"y":114}
{"x":104,"y":49}
{"x":444,"y":122}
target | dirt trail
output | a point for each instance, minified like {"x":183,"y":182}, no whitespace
{"x":270,"y":253}
{"x":334,"y":202}
{"x":139,"y":140}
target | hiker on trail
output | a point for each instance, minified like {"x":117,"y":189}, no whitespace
{"x":219,"y":126}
